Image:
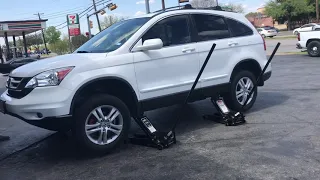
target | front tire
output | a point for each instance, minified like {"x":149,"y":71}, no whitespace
{"x":101,"y":123}
{"x":241,"y":84}
{"x":264,"y":36}
{"x":314,"y":49}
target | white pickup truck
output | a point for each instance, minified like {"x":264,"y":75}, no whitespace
{"x":310,"y":40}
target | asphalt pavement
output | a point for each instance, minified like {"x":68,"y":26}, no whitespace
{"x":280,"y":141}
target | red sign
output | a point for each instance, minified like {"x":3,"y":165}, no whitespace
{"x":74,"y":31}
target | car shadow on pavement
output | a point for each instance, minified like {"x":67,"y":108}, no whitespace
{"x":267,"y":99}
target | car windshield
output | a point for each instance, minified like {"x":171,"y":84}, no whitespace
{"x":113,"y":37}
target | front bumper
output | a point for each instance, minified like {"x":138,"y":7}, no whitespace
{"x":46,"y":107}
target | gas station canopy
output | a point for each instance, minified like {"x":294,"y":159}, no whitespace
{"x":16,"y":28}
{"x":19,"y":28}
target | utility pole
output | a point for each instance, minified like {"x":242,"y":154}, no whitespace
{"x":317,"y":10}
{"x":147,"y":6}
{"x":44,"y":39}
{"x":217,"y":2}
{"x":95,"y":9}
{"x":163,"y":5}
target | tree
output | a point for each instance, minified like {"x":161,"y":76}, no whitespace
{"x":212,"y":3}
{"x":109,"y":20}
{"x":60,"y":47}
{"x":34,"y":40}
{"x":77,"y":41}
{"x":287,"y":9}
{"x":238,"y":8}
{"x":252,"y":14}
{"x":52,"y":35}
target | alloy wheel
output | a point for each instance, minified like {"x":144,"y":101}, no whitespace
{"x":243,"y":88}
{"x":104,"y":125}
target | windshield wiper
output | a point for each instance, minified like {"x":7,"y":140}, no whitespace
{"x":83,"y":52}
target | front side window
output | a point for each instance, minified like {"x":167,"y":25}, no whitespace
{"x":210,"y":27}
{"x":113,"y":37}
{"x":239,"y":29}
{"x":172,"y":31}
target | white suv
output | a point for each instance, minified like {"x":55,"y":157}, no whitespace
{"x":137,"y":65}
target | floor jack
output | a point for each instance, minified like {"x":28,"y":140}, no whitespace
{"x":162,"y":140}
{"x":233,"y":118}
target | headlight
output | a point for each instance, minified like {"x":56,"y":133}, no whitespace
{"x":49,"y":78}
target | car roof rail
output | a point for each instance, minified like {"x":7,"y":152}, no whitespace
{"x":188,"y":6}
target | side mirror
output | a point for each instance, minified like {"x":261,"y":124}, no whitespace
{"x":150,"y":44}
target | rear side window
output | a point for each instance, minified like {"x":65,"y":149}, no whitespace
{"x":210,"y":27}
{"x":238,"y":29}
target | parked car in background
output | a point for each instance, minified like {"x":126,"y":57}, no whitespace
{"x":271,"y":28}
{"x":267,"y":32}
{"x":306,"y":27}
{"x":8,"y":66}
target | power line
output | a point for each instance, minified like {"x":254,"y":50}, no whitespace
{"x":88,"y":9}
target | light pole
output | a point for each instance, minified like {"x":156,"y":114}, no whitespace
{"x":147,"y":6}
{"x":89,"y":27}
{"x":44,"y":39}
{"x":163,"y":5}
{"x":111,"y":7}
{"x":95,"y":9}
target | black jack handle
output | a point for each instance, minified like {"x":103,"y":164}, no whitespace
{"x":195,"y":82}
{"x":261,"y":75}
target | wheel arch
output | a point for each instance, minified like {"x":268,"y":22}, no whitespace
{"x":251,"y":65}
{"x":310,"y":40}
{"x":94,"y":86}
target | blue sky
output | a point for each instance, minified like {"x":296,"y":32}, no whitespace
{"x":55,"y":10}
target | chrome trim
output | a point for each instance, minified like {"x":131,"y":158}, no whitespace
{"x":214,"y":78}
{"x":166,"y":86}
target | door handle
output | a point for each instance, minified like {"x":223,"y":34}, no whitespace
{"x":233,"y":44}
{"x":188,"y":50}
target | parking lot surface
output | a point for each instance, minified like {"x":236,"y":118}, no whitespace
{"x":280,"y":141}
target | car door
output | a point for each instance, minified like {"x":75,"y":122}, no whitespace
{"x":213,"y":29}
{"x":171,"y":69}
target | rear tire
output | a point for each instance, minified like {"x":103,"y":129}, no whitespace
{"x":314,"y":49}
{"x":87,"y":115}
{"x":234,"y":102}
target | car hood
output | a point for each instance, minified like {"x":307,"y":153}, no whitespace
{"x":34,"y":68}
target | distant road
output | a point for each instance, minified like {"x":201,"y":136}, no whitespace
{"x":285,"y":33}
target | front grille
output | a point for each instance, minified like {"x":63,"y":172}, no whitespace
{"x":13,"y":82}
{"x":16,"y":86}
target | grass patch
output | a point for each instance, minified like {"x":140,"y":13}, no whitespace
{"x":292,"y":53}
